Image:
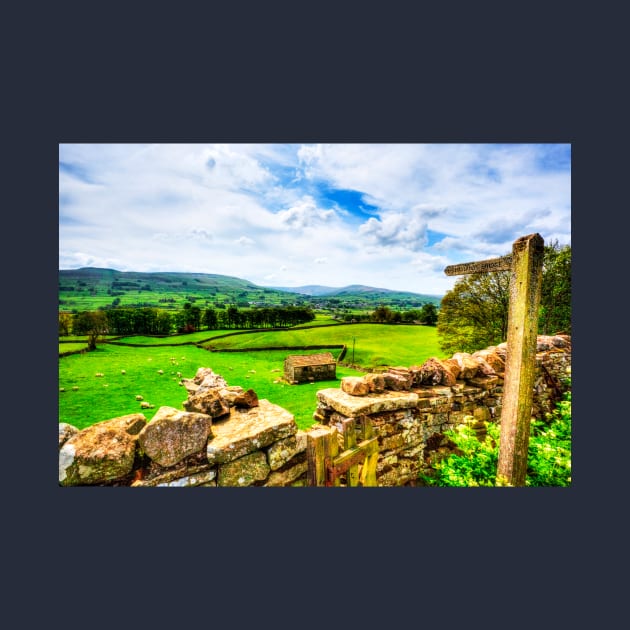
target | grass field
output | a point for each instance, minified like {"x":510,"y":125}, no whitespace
{"x":114,"y":394}
{"x":374,"y":345}
{"x":98,"y":398}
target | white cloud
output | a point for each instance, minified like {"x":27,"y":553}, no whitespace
{"x":245,"y":241}
{"x":304,"y":214}
{"x":263,"y":212}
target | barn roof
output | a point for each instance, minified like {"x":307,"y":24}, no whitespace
{"x":299,"y":360}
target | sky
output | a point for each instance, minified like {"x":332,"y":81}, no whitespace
{"x":286,"y":215}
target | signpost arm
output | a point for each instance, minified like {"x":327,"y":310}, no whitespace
{"x":525,"y":286}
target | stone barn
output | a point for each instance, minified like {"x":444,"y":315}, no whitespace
{"x":306,"y":368}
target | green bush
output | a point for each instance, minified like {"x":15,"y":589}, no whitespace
{"x":474,"y":460}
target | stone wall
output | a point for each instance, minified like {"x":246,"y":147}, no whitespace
{"x":411,"y":408}
{"x":226,"y":436}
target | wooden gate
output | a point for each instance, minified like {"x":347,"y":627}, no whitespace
{"x":357,"y":461}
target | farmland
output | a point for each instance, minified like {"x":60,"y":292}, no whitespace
{"x":98,"y":398}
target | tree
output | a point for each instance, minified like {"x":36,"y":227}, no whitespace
{"x":429,"y":314}
{"x":474,"y":313}
{"x":555,"y":300}
{"x":93,"y":324}
{"x":65,"y":323}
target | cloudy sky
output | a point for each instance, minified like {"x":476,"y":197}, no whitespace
{"x":286,"y":215}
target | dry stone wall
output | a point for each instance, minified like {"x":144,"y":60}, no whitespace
{"x":227,"y":437}
{"x":411,"y":408}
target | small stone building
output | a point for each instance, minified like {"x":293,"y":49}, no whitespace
{"x":307,"y":368}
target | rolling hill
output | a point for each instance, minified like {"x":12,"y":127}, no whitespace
{"x":91,"y":287}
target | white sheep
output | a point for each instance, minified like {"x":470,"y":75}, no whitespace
{"x":123,"y":372}
{"x":138,"y":397}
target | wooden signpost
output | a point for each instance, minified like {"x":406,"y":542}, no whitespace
{"x":525,"y":264}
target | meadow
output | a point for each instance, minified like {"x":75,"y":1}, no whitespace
{"x":98,"y":398}
{"x":375,"y":345}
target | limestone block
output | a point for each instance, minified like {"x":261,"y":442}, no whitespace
{"x":249,"y":430}
{"x":244,"y":471}
{"x":100,"y":453}
{"x":354,"y":385}
{"x":173,"y":435}
{"x":353,"y":406}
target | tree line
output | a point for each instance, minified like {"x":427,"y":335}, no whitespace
{"x":154,"y":321}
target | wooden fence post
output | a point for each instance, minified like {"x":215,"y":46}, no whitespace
{"x":520,"y":368}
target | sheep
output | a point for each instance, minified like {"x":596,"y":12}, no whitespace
{"x":145,"y":405}
{"x":160,"y":372}
{"x":138,"y":397}
{"x":123,"y":372}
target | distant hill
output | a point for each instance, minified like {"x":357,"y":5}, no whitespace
{"x":92,"y":287}
{"x":357,"y":291}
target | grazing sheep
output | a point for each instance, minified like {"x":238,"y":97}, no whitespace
{"x":138,"y":397}
{"x":160,"y":371}
{"x":123,"y":372}
{"x":99,"y":374}
{"x":145,"y":405}
{"x":75,"y":388}
{"x":62,"y":389}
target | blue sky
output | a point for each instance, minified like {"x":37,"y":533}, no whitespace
{"x":384,"y":215}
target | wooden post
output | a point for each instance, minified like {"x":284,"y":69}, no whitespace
{"x":350,"y":441}
{"x":520,"y":367}
{"x":318,"y":455}
{"x":525,"y":264}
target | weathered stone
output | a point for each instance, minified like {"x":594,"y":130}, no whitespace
{"x":229,"y":394}
{"x":173,"y":435}
{"x":434,"y":372}
{"x":66,"y":431}
{"x":207,"y":401}
{"x":207,"y":379}
{"x":485,"y":368}
{"x":288,"y":476}
{"x":375,"y":382}
{"x":452,"y":366}
{"x":396,"y":382}
{"x":467,"y":365}
{"x":191,"y":481}
{"x":492,"y":358}
{"x":279,"y":453}
{"x":561,"y":341}
{"x":246,"y":399}
{"x":100,"y":453}
{"x":190,"y":385}
{"x":403,"y":372}
{"x":485,"y":382}
{"x":355,"y":386}
{"x":247,"y":431}
{"x":353,"y":406}
{"x":244,"y":471}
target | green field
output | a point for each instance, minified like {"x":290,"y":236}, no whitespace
{"x":114,"y":394}
{"x":375,"y":345}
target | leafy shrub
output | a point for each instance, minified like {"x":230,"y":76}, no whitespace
{"x":474,"y":461}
